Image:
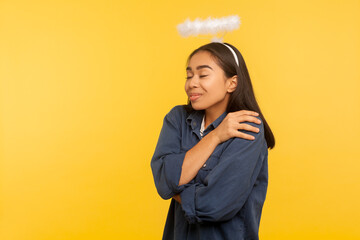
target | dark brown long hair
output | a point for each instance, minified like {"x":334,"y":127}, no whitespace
{"x":243,"y":98}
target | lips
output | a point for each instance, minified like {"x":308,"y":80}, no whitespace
{"x":194,"y":96}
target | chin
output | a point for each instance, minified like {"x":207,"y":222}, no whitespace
{"x":197,"y":106}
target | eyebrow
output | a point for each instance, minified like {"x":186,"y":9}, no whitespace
{"x":199,"y":67}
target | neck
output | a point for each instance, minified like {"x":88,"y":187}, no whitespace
{"x":213,"y":112}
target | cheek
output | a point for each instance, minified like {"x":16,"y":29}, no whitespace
{"x":215,"y":87}
{"x":186,"y":85}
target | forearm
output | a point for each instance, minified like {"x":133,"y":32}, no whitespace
{"x":197,"y":156}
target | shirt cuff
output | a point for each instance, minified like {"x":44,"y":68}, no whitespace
{"x":188,"y":203}
{"x":173,"y":167}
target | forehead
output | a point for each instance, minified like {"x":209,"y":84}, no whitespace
{"x":202,"y":58}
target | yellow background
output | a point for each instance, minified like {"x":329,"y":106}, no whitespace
{"x":85,"y":86}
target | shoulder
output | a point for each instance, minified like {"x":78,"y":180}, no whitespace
{"x":260,"y":126}
{"x":245,"y":143}
{"x":177,"y":113}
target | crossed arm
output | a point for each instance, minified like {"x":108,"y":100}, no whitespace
{"x":225,"y":188}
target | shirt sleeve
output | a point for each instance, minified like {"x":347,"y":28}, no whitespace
{"x":166,"y":163}
{"x":228,"y":185}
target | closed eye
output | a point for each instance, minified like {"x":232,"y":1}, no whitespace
{"x":200,"y":76}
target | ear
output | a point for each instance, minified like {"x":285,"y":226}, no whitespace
{"x":232,"y":83}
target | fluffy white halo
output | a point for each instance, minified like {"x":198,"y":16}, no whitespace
{"x":208,"y":26}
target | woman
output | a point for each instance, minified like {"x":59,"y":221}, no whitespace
{"x":212,"y":154}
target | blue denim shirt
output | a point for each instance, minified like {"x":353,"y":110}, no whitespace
{"x":225,"y":199}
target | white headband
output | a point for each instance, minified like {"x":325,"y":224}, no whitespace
{"x":233,"y":52}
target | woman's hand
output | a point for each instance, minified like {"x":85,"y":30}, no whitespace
{"x":177,"y":198}
{"x":229,"y":127}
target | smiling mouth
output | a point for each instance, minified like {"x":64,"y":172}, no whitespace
{"x":194,"y":97}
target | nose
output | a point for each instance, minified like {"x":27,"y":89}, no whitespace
{"x":193,"y":82}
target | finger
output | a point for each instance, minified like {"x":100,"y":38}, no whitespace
{"x":244,"y":136}
{"x":247,"y":112}
{"x":248,"y":127}
{"x":247,"y":118}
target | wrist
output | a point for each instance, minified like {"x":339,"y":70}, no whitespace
{"x":214,"y":137}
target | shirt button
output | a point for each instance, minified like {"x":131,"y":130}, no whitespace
{"x":194,"y":124}
{"x":204,"y":165}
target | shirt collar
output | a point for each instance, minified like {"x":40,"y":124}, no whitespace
{"x":195,"y":118}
